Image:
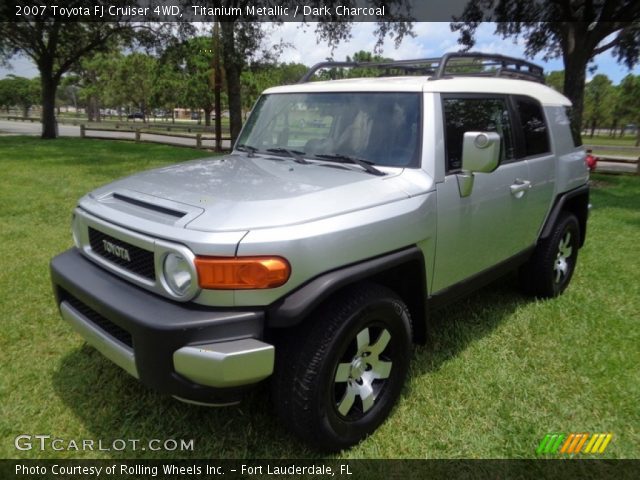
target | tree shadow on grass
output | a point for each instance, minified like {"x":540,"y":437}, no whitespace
{"x":453,"y":328}
{"x":112,"y":405}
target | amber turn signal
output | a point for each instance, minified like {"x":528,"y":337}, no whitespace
{"x":241,"y":273}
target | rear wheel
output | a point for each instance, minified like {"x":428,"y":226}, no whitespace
{"x":549,"y":271}
{"x":338,"y":377}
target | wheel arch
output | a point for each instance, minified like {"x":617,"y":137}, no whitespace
{"x":402,"y":271}
{"x":575,"y":201}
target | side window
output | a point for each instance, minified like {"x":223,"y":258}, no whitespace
{"x":475,"y":115}
{"x":534,"y":128}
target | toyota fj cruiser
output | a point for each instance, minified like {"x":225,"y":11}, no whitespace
{"x":315,"y":253}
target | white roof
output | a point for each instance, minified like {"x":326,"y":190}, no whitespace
{"x":544,"y":94}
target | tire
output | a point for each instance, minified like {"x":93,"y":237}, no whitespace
{"x":339,"y":374}
{"x":548,"y":272}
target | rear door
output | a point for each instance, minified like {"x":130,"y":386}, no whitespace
{"x":535,"y":149}
{"x":493,"y":224}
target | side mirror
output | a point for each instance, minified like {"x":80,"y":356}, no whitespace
{"x":480,"y":154}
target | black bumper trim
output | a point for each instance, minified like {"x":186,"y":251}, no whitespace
{"x":158,"y":326}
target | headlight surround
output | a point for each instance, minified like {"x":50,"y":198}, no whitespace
{"x":178,"y":274}
{"x":75,"y":230}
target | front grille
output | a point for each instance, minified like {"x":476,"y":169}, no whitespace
{"x":134,"y":259}
{"x":98,"y":320}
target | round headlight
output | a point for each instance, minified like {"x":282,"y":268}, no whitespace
{"x":177,"y":273}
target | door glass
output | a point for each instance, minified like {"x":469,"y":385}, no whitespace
{"x":534,"y":128}
{"x":475,"y":115}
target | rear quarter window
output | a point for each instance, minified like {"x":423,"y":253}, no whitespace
{"x":534,"y":126}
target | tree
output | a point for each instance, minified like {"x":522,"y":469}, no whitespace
{"x":192,"y":64}
{"x":19,"y":91}
{"x":555,"y":80}
{"x":630,"y":99}
{"x":167,"y":92}
{"x":259,"y":77}
{"x":67,"y":93}
{"x":6,"y":94}
{"x":575,"y":30}
{"x":93,"y":76}
{"x":598,"y":101}
{"x":618,"y":111}
{"x":55,"y":47}
{"x":134,"y":77}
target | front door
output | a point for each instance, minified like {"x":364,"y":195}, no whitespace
{"x":491,"y":225}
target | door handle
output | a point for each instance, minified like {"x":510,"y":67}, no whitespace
{"x":520,"y":187}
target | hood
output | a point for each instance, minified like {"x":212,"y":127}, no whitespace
{"x":237,"y":192}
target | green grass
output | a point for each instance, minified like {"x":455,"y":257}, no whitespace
{"x":616,"y":153}
{"x":627,"y":140}
{"x":500,"y":371}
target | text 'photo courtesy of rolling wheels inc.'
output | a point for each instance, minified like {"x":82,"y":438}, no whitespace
{"x":319,"y":239}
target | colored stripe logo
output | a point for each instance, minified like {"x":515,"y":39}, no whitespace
{"x":574,"y":443}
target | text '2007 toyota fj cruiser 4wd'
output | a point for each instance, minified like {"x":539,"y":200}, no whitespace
{"x":314,"y":252}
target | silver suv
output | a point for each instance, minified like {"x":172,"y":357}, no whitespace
{"x":315,"y":253}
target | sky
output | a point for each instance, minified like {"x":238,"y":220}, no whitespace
{"x":432,"y":40}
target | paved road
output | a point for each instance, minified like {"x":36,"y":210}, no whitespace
{"x":35,"y":128}
{"x":28,"y":128}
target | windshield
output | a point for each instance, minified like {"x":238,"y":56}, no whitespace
{"x":381,"y":127}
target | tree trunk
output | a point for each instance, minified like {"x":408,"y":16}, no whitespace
{"x":235,"y":101}
{"x":207,"y":117}
{"x":574,"y":78}
{"x":593,"y":128}
{"x":90,"y":117}
{"x":575,"y":64}
{"x":217,"y":85}
{"x":233,"y":69}
{"x":49,"y":86}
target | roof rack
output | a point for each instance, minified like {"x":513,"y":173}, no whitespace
{"x":456,"y":64}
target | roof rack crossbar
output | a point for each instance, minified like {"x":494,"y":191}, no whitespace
{"x":506,"y":64}
{"x":429,"y":64}
{"x":441,"y":67}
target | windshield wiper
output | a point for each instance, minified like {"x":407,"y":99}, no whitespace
{"x":342,"y":158}
{"x":295,"y":154}
{"x":247,"y":148}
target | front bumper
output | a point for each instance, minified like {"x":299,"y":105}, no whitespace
{"x":200,"y":354}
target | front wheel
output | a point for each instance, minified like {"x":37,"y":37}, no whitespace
{"x":549,"y":271}
{"x":339,"y":375}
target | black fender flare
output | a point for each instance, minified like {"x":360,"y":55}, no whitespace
{"x":575,"y":201}
{"x":294,"y":307}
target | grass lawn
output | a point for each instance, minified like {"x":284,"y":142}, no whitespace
{"x":627,"y":140}
{"x":500,"y":371}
